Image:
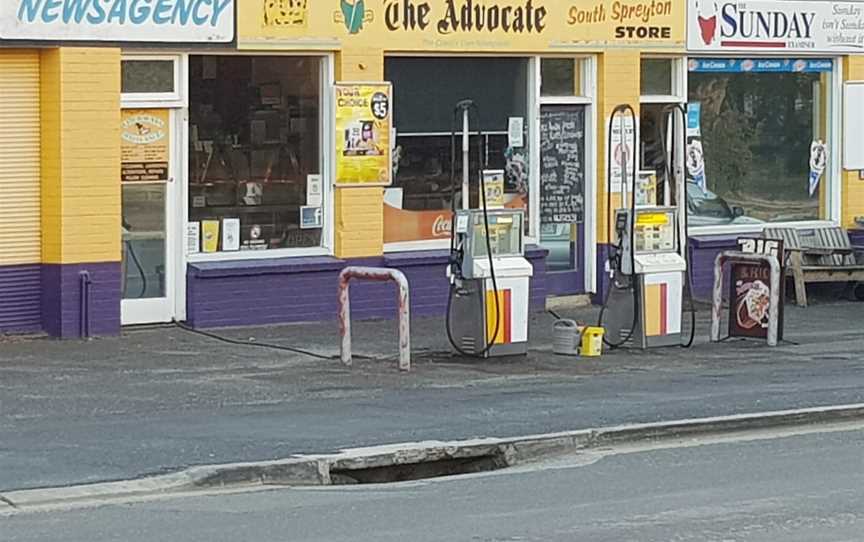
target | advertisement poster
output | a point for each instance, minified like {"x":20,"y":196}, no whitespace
{"x":623,"y":154}
{"x":493,"y":181}
{"x":751,"y":291}
{"x":209,"y":236}
{"x":818,"y":160}
{"x":775,"y":25}
{"x":145,"y":145}
{"x":193,"y":238}
{"x":646,"y":188}
{"x":364,"y":115}
{"x":401,"y":225}
{"x":695,"y":155}
{"x":230,"y":234}
{"x":404,"y":225}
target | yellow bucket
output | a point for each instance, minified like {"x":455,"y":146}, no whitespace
{"x":592,"y":341}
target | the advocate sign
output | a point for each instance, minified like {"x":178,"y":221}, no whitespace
{"x":207,"y":21}
{"x":497,"y":26}
{"x":775,"y":25}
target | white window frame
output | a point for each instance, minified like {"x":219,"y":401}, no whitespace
{"x":158,"y":99}
{"x":327,"y":166}
{"x":587,"y":97}
{"x":175,"y":225}
{"x":532,"y":96}
{"x":679,"y":81}
{"x":833,"y":173}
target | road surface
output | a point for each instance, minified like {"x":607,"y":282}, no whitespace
{"x":781,"y":487}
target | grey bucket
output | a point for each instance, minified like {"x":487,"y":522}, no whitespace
{"x":565,"y":341}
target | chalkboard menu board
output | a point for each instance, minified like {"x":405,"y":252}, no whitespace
{"x":562,"y":164}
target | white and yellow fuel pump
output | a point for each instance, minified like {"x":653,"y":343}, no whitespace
{"x":488,"y":303}
{"x":647,"y":264}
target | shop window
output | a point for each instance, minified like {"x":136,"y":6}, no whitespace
{"x":656,"y":76}
{"x":749,"y":146}
{"x":655,"y":145}
{"x":558,"y":77}
{"x":426,"y":91}
{"x":148,"y":76}
{"x":254,"y":147}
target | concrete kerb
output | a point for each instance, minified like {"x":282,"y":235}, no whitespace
{"x":317,"y":470}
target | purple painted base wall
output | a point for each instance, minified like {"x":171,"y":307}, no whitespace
{"x":703,"y":252}
{"x":857,"y":237}
{"x":20,"y":298}
{"x":305,"y":289}
{"x":47,"y":297}
{"x":61,"y":299}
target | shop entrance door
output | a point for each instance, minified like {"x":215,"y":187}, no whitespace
{"x":149,"y":191}
{"x":563,"y":170}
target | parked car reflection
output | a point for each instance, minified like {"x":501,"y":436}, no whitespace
{"x":705,"y":208}
{"x":556,"y":239}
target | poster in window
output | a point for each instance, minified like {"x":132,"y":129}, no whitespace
{"x":209,"y":236}
{"x":695,"y":156}
{"x":144,"y":145}
{"x":493,"y":183}
{"x":622,"y":154}
{"x":230,"y":234}
{"x":364,"y":113}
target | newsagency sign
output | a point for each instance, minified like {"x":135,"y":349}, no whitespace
{"x":201,"y":21}
{"x":779,"y":26}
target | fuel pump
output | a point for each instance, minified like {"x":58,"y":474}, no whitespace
{"x":647,"y":263}
{"x":487,"y":306}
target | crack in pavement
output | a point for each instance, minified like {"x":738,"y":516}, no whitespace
{"x":7,"y":501}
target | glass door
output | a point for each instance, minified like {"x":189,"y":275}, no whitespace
{"x":148,"y":164}
{"x":563,"y":169}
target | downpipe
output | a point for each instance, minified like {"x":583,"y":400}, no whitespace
{"x":84,"y":282}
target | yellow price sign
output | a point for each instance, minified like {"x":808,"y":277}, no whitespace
{"x":652,"y":219}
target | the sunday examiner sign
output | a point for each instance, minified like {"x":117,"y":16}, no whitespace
{"x":775,"y":26}
{"x":193,"y":21}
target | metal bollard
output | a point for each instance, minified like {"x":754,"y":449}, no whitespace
{"x":732,"y":256}
{"x":375,"y":274}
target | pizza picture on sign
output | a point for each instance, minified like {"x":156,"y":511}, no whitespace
{"x":753,"y":301}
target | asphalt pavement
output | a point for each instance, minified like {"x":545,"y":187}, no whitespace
{"x":162,"y":399}
{"x":797,"y":488}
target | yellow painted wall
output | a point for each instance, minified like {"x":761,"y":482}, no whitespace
{"x":359,"y":212}
{"x":618,"y":82}
{"x":853,"y":188}
{"x":80,"y":110}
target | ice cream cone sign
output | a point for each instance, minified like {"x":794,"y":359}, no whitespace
{"x":818,"y":161}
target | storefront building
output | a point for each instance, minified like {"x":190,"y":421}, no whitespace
{"x":181,"y":163}
{"x":64,"y":233}
{"x":541,"y":75}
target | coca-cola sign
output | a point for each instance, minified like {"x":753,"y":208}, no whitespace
{"x":442,"y":225}
{"x":778,"y":26}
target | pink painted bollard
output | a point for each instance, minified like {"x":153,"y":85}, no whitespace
{"x":381,"y":274}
